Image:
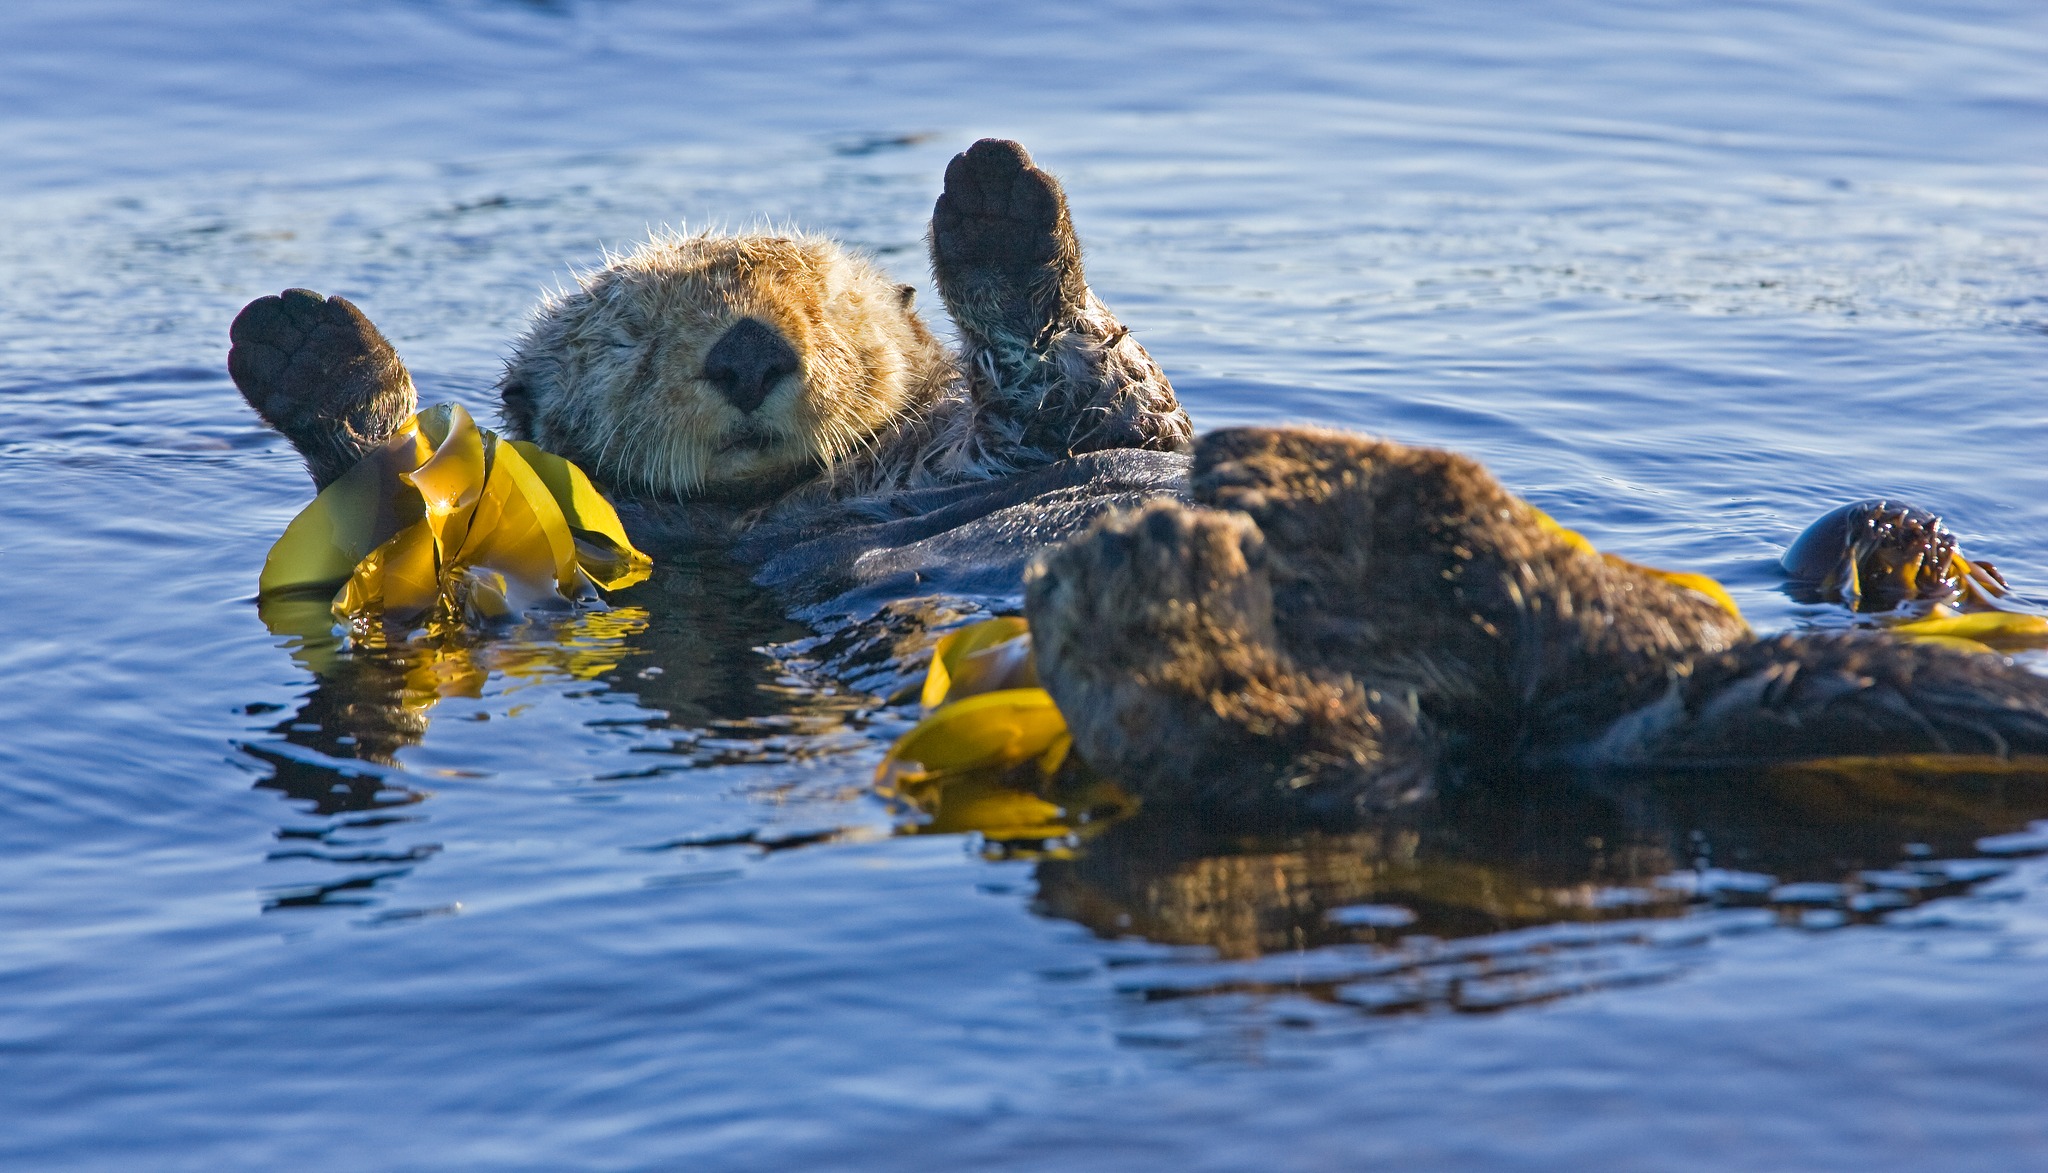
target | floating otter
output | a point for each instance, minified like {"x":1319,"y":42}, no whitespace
{"x":1332,"y":621}
{"x":1336,"y":618}
{"x":729,"y":384}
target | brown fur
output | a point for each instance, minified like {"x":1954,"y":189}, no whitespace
{"x":1340,"y":613}
{"x":1159,"y":633}
{"x":1416,"y":570}
{"x":1814,"y":696}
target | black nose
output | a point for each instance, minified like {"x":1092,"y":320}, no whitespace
{"x":746,"y":364}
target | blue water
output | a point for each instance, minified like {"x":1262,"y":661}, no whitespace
{"x":1685,"y":275}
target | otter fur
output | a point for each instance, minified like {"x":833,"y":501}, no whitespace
{"x":725,"y":367}
{"x":1336,"y":618}
{"x":723,"y":381}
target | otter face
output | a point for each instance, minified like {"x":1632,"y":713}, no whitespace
{"x":721,"y":367}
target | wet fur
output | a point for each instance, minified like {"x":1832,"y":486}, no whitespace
{"x":613,"y":374}
{"x":1336,"y":615}
{"x":610,"y":375}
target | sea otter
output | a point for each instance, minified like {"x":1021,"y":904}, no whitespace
{"x":780,"y":395}
{"x":1329,"y":622}
{"x":1336,"y":619}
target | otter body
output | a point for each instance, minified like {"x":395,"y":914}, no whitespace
{"x":1334,"y":619}
{"x":722,"y":385}
{"x":1298,"y":619}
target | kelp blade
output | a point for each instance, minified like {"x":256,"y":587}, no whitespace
{"x":452,"y":478}
{"x":611,"y":562}
{"x":1998,"y":630}
{"x":962,"y":667}
{"x":445,"y":525}
{"x":520,"y":533}
{"x":1698,"y":583}
{"x":995,"y":729}
{"x":360,"y":511}
{"x":395,"y":589}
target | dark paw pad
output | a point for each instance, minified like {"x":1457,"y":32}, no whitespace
{"x":1166,"y":571}
{"x":316,"y":370}
{"x":299,"y":354}
{"x":1002,"y":244}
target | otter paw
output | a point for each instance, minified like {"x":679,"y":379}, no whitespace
{"x":1003,"y":247}
{"x":1154,"y":633}
{"x":317,"y":371}
{"x":1164,"y":592}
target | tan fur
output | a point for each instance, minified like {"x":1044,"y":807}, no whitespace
{"x":611,"y":375}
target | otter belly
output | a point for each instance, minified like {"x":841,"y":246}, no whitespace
{"x":968,"y":540}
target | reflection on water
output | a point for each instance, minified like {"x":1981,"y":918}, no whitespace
{"x":687,"y":645}
{"x":1819,"y":844}
{"x":1489,"y":860}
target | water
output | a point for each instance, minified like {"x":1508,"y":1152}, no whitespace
{"x":1683,"y":275}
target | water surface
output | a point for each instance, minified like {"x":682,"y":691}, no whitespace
{"x":1685,"y":276}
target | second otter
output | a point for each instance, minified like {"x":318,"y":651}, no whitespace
{"x":1338,"y":617}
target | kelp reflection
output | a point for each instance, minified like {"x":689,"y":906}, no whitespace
{"x":369,"y":704}
{"x":1857,"y":838}
{"x":683,"y":645}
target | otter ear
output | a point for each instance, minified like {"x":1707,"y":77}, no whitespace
{"x":906,"y":295}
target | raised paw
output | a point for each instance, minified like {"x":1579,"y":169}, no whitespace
{"x":1003,"y":247}
{"x":316,"y":370}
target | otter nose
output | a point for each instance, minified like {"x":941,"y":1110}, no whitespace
{"x":746,"y":364}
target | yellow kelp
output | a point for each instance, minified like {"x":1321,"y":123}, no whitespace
{"x":1999,"y":631}
{"x":981,"y":657}
{"x":990,"y":740}
{"x":999,"y":729}
{"x":447,"y":527}
{"x":1697,"y":583}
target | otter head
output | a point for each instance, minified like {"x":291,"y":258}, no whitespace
{"x":721,"y":367}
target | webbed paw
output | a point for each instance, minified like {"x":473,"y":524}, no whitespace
{"x":1165,"y":593}
{"x":1003,"y":247}
{"x":320,"y":373}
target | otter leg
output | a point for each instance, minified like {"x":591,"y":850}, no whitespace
{"x":317,"y":371}
{"x":1796,"y":697}
{"x":1037,"y":345}
{"x":1154,"y":633}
